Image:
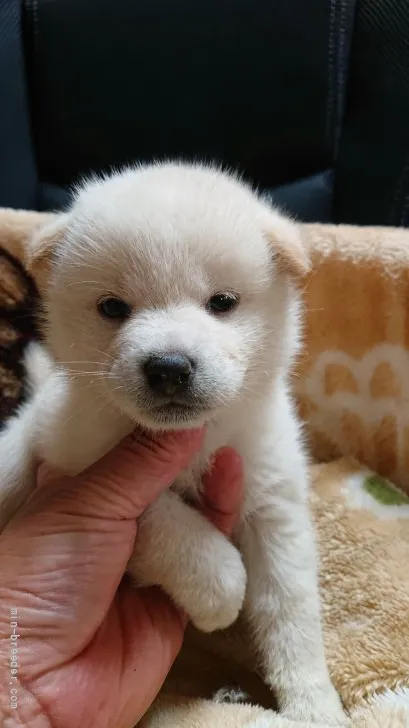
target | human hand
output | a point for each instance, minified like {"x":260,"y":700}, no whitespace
{"x":91,"y":649}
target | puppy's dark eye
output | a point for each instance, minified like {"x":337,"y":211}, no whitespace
{"x":222,"y":303}
{"x":114,"y":308}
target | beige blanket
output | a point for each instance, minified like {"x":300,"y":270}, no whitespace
{"x":353,"y":377}
{"x":352,"y":384}
{"x":363,"y":527}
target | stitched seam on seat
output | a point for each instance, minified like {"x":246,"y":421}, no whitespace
{"x":397,"y":197}
{"x":331,"y":100}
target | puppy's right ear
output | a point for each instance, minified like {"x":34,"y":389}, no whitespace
{"x":41,"y":248}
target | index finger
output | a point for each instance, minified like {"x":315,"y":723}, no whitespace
{"x":223,"y":491}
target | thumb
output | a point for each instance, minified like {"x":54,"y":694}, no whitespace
{"x":126,"y":480}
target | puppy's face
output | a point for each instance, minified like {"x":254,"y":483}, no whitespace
{"x":166,"y":292}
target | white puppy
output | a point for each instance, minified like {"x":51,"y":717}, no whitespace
{"x":170,"y":302}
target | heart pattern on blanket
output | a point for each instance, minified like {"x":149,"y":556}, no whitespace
{"x":360,"y":407}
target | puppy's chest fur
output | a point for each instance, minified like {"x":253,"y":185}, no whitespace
{"x":189,"y":484}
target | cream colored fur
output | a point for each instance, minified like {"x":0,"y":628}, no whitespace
{"x":165,"y":239}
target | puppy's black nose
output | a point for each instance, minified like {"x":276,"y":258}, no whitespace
{"x":169,"y":373}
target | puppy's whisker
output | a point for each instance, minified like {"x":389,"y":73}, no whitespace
{"x":297,"y":375}
{"x":106,"y":402}
{"x":118,"y":388}
{"x":96,"y":374}
{"x":99,"y":284}
{"x":103,"y":353}
{"x":79,"y":361}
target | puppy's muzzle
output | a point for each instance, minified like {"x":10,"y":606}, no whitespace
{"x":169,"y":375}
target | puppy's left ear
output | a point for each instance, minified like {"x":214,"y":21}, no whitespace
{"x":41,"y":248}
{"x":289,"y":249}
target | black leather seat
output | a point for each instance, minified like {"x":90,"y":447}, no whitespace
{"x":310,"y":99}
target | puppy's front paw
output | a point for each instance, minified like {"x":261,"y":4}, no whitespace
{"x":316,"y":704}
{"x":218,"y":601}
